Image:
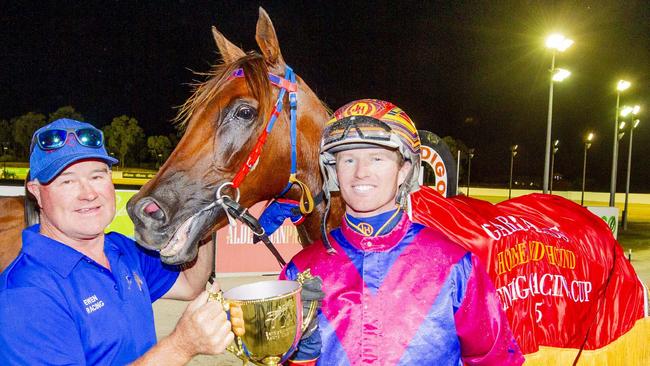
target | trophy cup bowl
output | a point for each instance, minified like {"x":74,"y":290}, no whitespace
{"x":273,"y":322}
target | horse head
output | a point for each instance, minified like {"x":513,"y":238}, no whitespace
{"x":223,"y":120}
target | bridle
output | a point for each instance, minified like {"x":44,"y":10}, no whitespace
{"x":234,"y":211}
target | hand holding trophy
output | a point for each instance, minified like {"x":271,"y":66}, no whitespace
{"x":273,"y":319}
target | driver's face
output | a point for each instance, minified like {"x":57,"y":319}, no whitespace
{"x":369,"y":179}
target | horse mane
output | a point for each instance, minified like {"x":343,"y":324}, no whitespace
{"x":256,"y":75}
{"x":32,"y":211}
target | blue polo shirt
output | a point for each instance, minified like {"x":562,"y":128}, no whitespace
{"x":59,"y":307}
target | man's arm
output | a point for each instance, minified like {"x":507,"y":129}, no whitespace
{"x":309,"y":347}
{"x":202,"y":329}
{"x":194,"y":276}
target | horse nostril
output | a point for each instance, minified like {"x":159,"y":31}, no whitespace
{"x":154,"y":211}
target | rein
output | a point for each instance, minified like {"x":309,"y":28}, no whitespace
{"x":232,"y":208}
{"x":286,"y":84}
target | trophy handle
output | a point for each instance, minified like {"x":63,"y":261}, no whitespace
{"x":237,"y":346}
{"x":313,"y":307}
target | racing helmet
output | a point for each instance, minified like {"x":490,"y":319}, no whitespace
{"x":369,"y":123}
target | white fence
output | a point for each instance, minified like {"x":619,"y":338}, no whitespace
{"x":640,"y":198}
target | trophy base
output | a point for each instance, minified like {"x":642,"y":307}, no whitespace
{"x":271,"y":361}
{"x":267,"y":361}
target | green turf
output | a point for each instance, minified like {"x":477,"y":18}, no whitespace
{"x":636,"y":237}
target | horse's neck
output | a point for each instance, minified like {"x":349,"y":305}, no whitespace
{"x":11,"y":218}
{"x":309,"y":172}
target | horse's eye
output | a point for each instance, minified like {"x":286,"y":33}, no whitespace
{"x":245,"y":112}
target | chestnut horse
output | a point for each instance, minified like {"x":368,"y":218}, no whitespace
{"x":229,"y":114}
{"x":15,"y":214}
{"x":12,"y":223}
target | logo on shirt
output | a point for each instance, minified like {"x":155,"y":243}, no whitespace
{"x":138,"y":280}
{"x":93,"y":303}
{"x":365,"y":228}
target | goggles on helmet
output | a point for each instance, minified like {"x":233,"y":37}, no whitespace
{"x":52,"y":139}
{"x":356,"y":131}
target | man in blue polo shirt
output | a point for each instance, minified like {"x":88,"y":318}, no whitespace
{"x":77,"y":296}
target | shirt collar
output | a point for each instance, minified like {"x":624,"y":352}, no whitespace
{"x":379,"y":243}
{"x":52,"y":253}
{"x":374,"y":225}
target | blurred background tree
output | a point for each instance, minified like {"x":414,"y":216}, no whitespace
{"x":125,"y":138}
{"x":159,"y":148}
{"x":65,"y":112}
{"x":23,"y":127}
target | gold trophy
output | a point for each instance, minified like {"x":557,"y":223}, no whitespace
{"x":273,"y":319}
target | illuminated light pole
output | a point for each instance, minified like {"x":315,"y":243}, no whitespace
{"x":470,"y":155}
{"x":557,"y":76}
{"x":560,"y":74}
{"x":557,"y":43}
{"x":633,"y":125}
{"x":626,"y":111}
{"x":555,"y":149}
{"x":513,"y":153}
{"x":621,"y":86}
{"x":458,"y":173}
{"x":620,"y":134}
{"x":587,"y":142}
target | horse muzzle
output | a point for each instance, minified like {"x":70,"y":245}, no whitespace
{"x":176,"y":240}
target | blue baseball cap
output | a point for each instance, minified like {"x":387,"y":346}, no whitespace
{"x":45,"y":165}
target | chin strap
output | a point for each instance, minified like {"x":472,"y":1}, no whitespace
{"x":323,"y":224}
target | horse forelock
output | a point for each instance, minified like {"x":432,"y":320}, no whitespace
{"x":256,"y":76}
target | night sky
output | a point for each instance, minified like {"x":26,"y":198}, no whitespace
{"x":474,"y":70}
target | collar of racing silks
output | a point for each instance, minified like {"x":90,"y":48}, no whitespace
{"x":374,"y":226}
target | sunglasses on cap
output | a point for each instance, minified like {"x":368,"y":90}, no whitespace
{"x":55,"y":138}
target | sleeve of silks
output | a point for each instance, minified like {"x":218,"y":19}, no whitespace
{"x":482,"y":327}
{"x":289,"y":272}
{"x":308,"y":349}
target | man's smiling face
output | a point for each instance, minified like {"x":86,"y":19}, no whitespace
{"x":369,"y":178}
{"x":78,"y":204}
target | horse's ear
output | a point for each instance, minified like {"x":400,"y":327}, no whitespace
{"x":268,"y":41}
{"x":229,"y":51}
